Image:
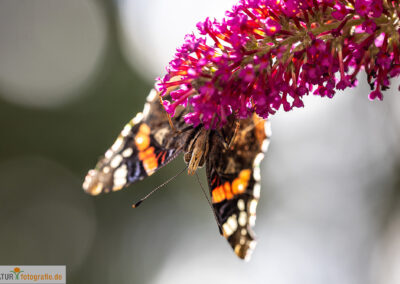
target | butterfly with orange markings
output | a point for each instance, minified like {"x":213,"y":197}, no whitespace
{"x":232,"y":156}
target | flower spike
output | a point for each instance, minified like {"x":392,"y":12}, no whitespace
{"x":268,"y":54}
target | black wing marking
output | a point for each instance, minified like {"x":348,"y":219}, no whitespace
{"x":233,"y":176}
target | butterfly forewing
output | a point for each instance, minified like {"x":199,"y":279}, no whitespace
{"x":144,"y":145}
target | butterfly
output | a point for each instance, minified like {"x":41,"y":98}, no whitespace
{"x":232,"y":156}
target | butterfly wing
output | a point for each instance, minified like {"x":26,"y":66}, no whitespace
{"x":145,"y":144}
{"x":233,"y":175}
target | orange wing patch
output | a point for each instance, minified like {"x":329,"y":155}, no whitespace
{"x":228,"y":190}
{"x":142,"y":138}
{"x":240,"y":183}
{"x":218,"y":194}
{"x":146,"y":153}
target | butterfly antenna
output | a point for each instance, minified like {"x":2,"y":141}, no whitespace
{"x":209,"y":203}
{"x":135,"y":205}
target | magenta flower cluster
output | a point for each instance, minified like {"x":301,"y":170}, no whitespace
{"x":268,"y":54}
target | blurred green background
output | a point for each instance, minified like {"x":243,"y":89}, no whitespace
{"x":72,"y":73}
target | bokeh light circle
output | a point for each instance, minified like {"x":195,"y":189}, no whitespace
{"x":46,"y":217}
{"x":152,"y":30}
{"x":49,"y":49}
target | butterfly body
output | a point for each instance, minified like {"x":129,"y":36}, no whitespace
{"x":231,"y":155}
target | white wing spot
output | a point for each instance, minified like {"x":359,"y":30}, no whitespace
{"x":116,"y":161}
{"x":241,"y":205}
{"x":242,"y":218}
{"x":253,"y":207}
{"x":127,"y":153}
{"x":265,"y":145}
{"x":252,"y":245}
{"x":230,"y":226}
{"x":121,"y":172}
{"x":120,"y":177}
{"x":127,"y":129}
{"x":117,"y":144}
{"x":109,"y":154}
{"x":258,"y":159}
{"x":106,"y":170}
{"x":152,"y":95}
{"x":146,"y":109}
{"x":138,"y":118}
{"x":232,"y":222}
{"x":257,"y":173}
{"x":88,"y":179}
{"x":227,"y":230}
{"x":257,"y":190}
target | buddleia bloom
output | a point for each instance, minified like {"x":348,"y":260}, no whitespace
{"x":266,"y":55}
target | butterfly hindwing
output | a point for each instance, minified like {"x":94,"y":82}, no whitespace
{"x":233,"y":176}
{"x":144,"y":145}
